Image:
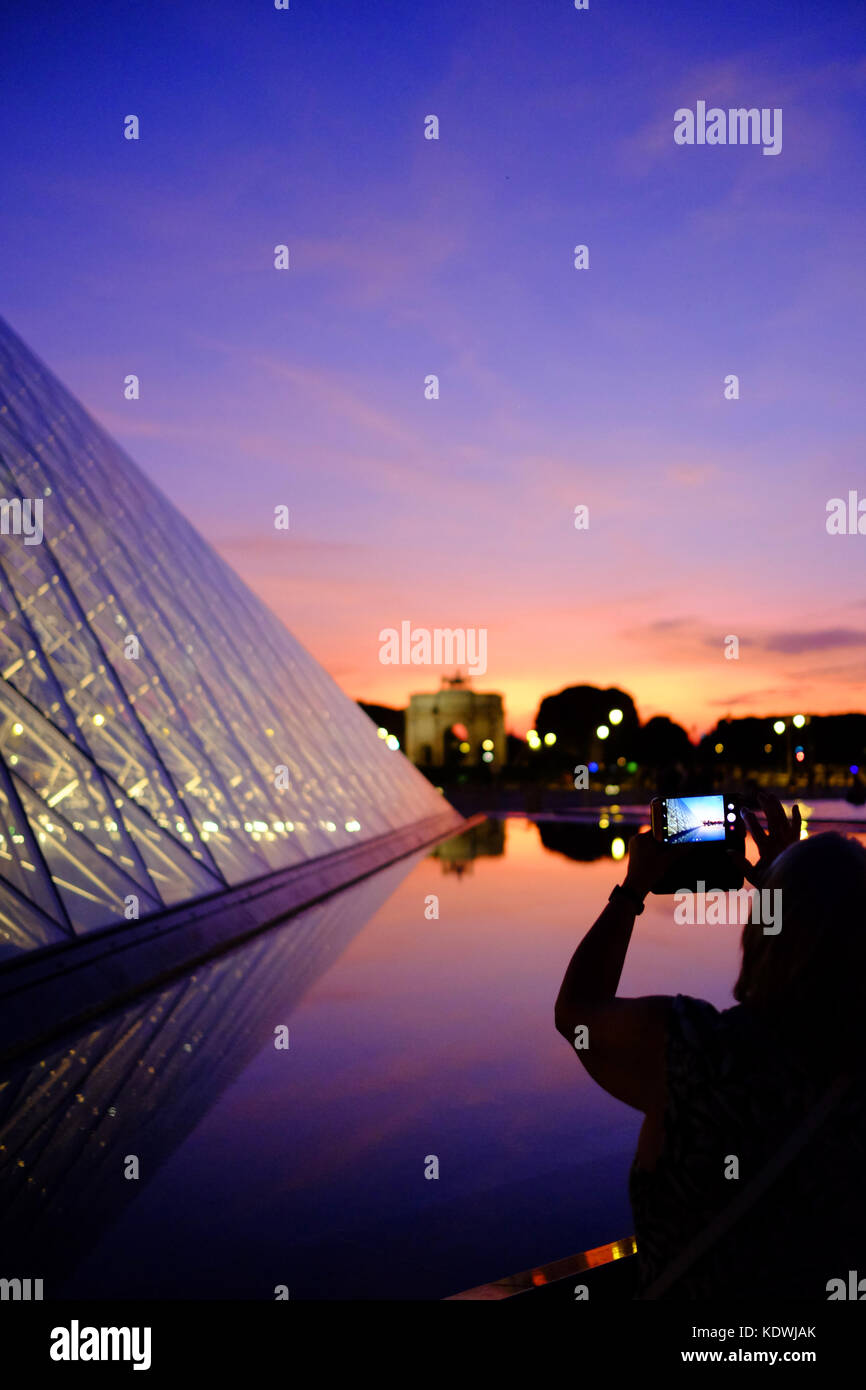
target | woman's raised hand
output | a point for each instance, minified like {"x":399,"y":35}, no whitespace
{"x":779,"y":834}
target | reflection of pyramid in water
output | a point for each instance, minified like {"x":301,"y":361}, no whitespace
{"x":140,"y":1081}
{"x":148,"y":697}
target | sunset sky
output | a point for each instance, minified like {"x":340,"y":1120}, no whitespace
{"x":559,"y":387}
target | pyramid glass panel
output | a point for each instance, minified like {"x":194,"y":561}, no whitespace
{"x":22,"y":926}
{"x":22,"y":866}
{"x":56,"y":770}
{"x":92,"y":889}
{"x":161,"y":733}
{"x":175,"y":875}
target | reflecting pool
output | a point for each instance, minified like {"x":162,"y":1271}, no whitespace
{"x":411,"y":1036}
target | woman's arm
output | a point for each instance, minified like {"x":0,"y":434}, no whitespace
{"x":620,"y":1042}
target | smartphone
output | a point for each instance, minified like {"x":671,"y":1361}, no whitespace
{"x":693,"y":820}
{"x":710,"y":826}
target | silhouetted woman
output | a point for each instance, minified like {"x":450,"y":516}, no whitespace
{"x":774,"y":1083}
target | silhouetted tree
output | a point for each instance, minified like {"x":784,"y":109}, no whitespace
{"x":662,"y":742}
{"x":575,"y":715}
{"x":394,"y":720}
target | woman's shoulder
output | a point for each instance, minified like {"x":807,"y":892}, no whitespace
{"x":706,"y":1044}
{"x":696,"y":1023}
{"x":735,"y":1065}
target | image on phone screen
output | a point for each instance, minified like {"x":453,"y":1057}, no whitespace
{"x":690,"y":819}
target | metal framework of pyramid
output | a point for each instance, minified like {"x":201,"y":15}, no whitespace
{"x":130,"y":783}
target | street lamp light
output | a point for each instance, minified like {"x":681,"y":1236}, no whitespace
{"x":615,"y":716}
{"x":602,"y":731}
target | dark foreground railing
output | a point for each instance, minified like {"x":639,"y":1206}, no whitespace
{"x":608,"y":1272}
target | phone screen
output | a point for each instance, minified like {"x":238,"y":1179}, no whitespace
{"x":691,"y":819}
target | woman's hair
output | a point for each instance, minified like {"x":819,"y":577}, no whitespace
{"x":812,"y":973}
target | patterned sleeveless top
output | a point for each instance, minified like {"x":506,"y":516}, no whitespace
{"x":735,"y":1093}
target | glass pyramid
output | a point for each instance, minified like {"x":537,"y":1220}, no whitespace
{"x":148,"y":697}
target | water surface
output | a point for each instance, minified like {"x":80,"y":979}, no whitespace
{"x":411,"y":1037}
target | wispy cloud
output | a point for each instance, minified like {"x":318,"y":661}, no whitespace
{"x":821,"y":639}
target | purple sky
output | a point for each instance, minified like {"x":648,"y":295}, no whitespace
{"x":454,"y":257}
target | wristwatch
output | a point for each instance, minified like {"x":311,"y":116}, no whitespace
{"x":622,"y":890}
